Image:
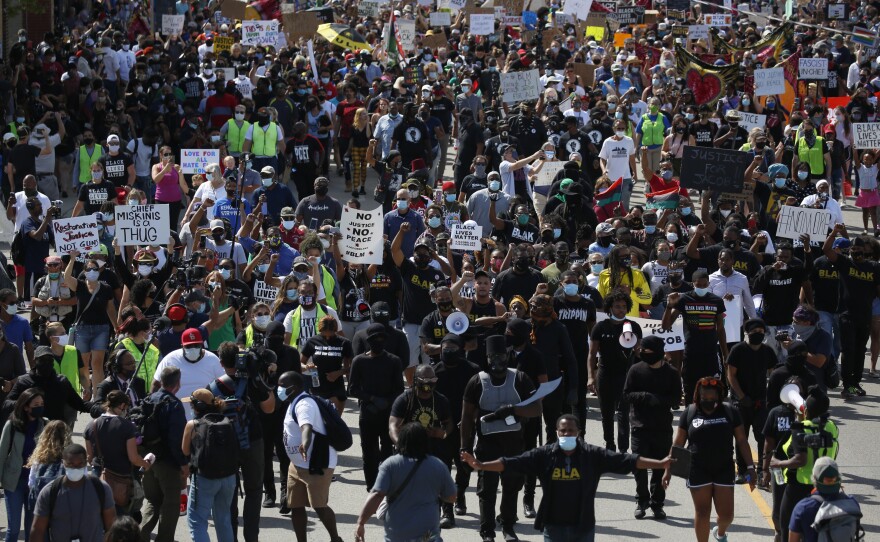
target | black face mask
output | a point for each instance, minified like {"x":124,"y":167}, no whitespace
{"x":708,"y":406}
{"x":450,"y":357}
{"x":421,"y":262}
{"x":444,"y":306}
{"x":675,"y":279}
{"x":262,"y":120}
{"x":522,"y":264}
{"x":218,"y":237}
{"x":604,"y":241}
{"x":45,"y":369}
{"x":625,"y":262}
{"x":651,"y":357}
{"x":322,"y":190}
{"x":377,"y":344}
{"x":498,"y":369}
{"x":730,"y":244}
{"x":756,"y":338}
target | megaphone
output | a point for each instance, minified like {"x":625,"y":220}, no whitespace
{"x":457,"y":323}
{"x":791,"y":394}
{"x":628,"y":339}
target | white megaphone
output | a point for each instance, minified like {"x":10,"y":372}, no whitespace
{"x":457,"y":323}
{"x":628,"y":339}
{"x":790,"y":394}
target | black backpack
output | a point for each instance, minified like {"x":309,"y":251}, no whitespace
{"x":214,"y":446}
{"x":145,"y":417}
{"x":16,"y":251}
{"x":55,"y":489}
{"x":234,"y":394}
{"x":338,"y":434}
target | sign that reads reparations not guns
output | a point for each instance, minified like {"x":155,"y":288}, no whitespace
{"x":866,"y":135}
{"x":142,"y":224}
{"x":721,"y":170}
{"x":362,"y":240}
{"x":80,"y":234}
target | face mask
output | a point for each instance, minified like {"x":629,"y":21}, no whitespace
{"x":689,"y":116}
{"x":450,"y":198}
{"x":675,"y":278}
{"x":394,"y":116}
{"x":155,"y":86}
{"x":213,"y":285}
{"x":522,"y":219}
{"x":725,"y":212}
{"x":307,"y":300}
{"x":549,"y":154}
{"x":403,"y":204}
{"x":707,"y":406}
{"x":666,"y":174}
{"x":557,"y":232}
{"x":292,"y":295}
{"x":567,"y":443}
{"x":651,"y":357}
{"x":597,"y":268}
{"x":618,"y":115}
{"x":134,"y":202}
{"x":494,"y":186}
{"x":650,"y":229}
{"x":803,"y":332}
{"x":144,"y":270}
{"x":113,"y":148}
{"x":570,"y":289}
{"x":756,"y":338}
{"x":655,"y":82}
{"x":802,"y":175}
{"x":262,"y":321}
{"x":779,"y":183}
{"x":62,"y":339}
{"x":267,"y":182}
{"x":54,"y":276}
{"x":325,"y":243}
{"x":96,"y":175}
{"x":282,"y":393}
{"x":685,"y":211}
{"x":434,"y":222}
{"x":700,"y":292}
{"x":747,"y":102}
{"x":672,"y":237}
{"x":654,"y":109}
{"x":604,"y":241}
{"x":192,"y":354}
{"x":74,"y":475}
{"x":770,"y":105}
{"x":201,"y":308}
{"x":92,"y":275}
{"x":37,"y":412}
{"x":263,"y":267}
{"x":619,"y":133}
{"x":663,"y":255}
{"x":225,"y":273}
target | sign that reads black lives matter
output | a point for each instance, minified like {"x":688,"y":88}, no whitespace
{"x":142,"y":224}
{"x":721,"y":170}
{"x":866,"y":135}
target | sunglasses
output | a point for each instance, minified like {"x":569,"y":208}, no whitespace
{"x":167,"y":155}
{"x":709,"y":381}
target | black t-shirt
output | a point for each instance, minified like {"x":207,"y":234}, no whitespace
{"x":710,"y":436}
{"x":510,"y":283}
{"x":451,"y":381}
{"x":442,"y":109}
{"x":520,"y":234}
{"x":493,"y":149}
{"x":699,"y":315}
{"x":859,"y":285}
{"x":411,"y":138}
{"x":432,"y":412}
{"x":96,"y":314}
{"x":778,"y":427}
{"x":328,"y":356}
{"x":472,"y":183}
{"x":825,"y":280}
{"x":469,"y":138}
{"x":354,"y":306}
{"x":303,"y":153}
{"x":612,"y":356}
{"x":566,"y":487}
{"x":735,"y":141}
{"x":576,"y":316}
{"x":116,"y":168}
{"x":417,"y":284}
{"x":433,"y":329}
{"x":94,"y":195}
{"x":652,"y":393}
{"x":704,"y":134}
{"x":743,"y":261}
{"x":385,"y":286}
{"x":597,"y":131}
{"x":530,"y":361}
{"x":751,"y":368}
{"x":781,"y":289}
{"x":577,"y":142}
{"x":24,"y":158}
{"x":113,"y":433}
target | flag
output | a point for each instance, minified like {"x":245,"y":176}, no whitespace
{"x":665,"y":199}
{"x":772,"y":45}
{"x":706,"y":81}
{"x":608,"y":200}
{"x":393,"y":46}
{"x":863,"y":36}
{"x":657,"y":184}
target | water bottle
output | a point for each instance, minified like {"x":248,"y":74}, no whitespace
{"x":316,"y":382}
{"x":778,"y":476}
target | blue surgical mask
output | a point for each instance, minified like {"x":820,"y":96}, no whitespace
{"x":802,"y":175}
{"x":685,"y":211}
{"x":779,"y":182}
{"x":557,"y":232}
{"x":701,"y":291}
{"x":567,"y":443}
{"x":202,"y":307}
{"x":403,"y":204}
{"x":293,"y":295}
{"x":666,"y":174}
{"x":616,"y":319}
{"x":650,"y":229}
{"x":434,"y":222}
{"x":570,"y":289}
{"x":494,"y":186}
{"x":282,"y":393}
{"x":596,"y":268}
{"x":263,"y":267}
{"x":91,"y":275}
{"x":262,"y":321}
{"x":225,"y":273}
{"x":450,"y":198}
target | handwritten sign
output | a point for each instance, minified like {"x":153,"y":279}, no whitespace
{"x":466,"y":236}
{"x":548,"y":173}
{"x":746,"y":196}
{"x":721,"y":170}
{"x":303,"y":24}
{"x":793,"y":222}
{"x":142,"y":224}
{"x":520,"y":86}
{"x":79,"y":234}
{"x":407,"y":30}
{"x":368,"y":8}
{"x":172,"y":24}
{"x":223,"y":44}
{"x":698,"y":32}
{"x":866,"y":135}
{"x":673,"y":338}
{"x":264,"y":292}
{"x":752,"y":120}
{"x":813,"y":68}
{"x":457,"y":5}
{"x":259,"y":32}
{"x":836,"y":11}
{"x":769,"y":82}
{"x":362,"y":240}
{"x":578,"y":8}
{"x":719,"y":19}
{"x":482,"y":24}
{"x":629,"y":15}
{"x":195,"y":160}
{"x":441,"y":18}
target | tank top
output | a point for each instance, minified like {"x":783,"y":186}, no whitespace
{"x":168,"y":189}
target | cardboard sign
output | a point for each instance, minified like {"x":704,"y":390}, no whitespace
{"x":578,"y":8}
{"x":172,"y":24}
{"x":548,"y":173}
{"x":520,"y":86}
{"x":303,"y":24}
{"x":770,"y":82}
{"x":678,"y":5}
{"x":482,"y":25}
{"x":258,"y":32}
{"x":79,"y":233}
{"x":733,"y":319}
{"x":698,"y":32}
{"x":195,"y":160}
{"x":265,"y":293}
{"x":813,"y":68}
{"x":680,"y":31}
{"x":746,"y":196}
{"x":466,"y":236}
{"x":866,"y":135}
{"x":441,"y":18}
{"x":721,"y":170}
{"x":233,"y":9}
{"x":362,"y":240}
{"x":434,"y":41}
{"x":673,"y":338}
{"x":793,"y":222}
{"x":752,"y":120}
{"x":629,"y":15}
{"x":587,"y":72}
{"x":596,"y":33}
{"x":718,"y":19}
{"x":406,"y":29}
{"x":142,"y":224}
{"x":369,"y":8}
{"x":223,"y":44}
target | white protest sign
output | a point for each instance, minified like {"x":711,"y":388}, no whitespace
{"x":79,"y":234}
{"x":866,"y":135}
{"x":548,"y":173}
{"x":195,"y":160}
{"x":441,"y":18}
{"x":407,"y":30}
{"x":368,"y":9}
{"x":719,"y":19}
{"x":310,"y":45}
{"x":520,"y":86}
{"x":228,"y":73}
{"x":142,"y":224}
{"x":578,"y":8}
{"x":733,"y":319}
{"x":259,"y":32}
{"x":457,"y":5}
{"x":362,"y":240}
{"x":813,"y":68}
{"x":466,"y":236}
{"x":769,"y":82}
{"x":793,"y":222}
{"x":264,"y":292}
{"x":752,"y":120}
{"x":673,"y":338}
{"x":172,"y":24}
{"x":698,"y":32}
{"x":482,"y":24}
{"x":426,"y":3}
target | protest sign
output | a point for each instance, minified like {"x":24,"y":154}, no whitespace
{"x":362,"y":240}
{"x":698,"y":32}
{"x":578,"y":8}
{"x":79,"y":234}
{"x":441,"y":18}
{"x":303,"y":24}
{"x":733,"y":319}
{"x":866,"y":135}
{"x":719,"y":19}
{"x":586,"y":72}
{"x":433,"y":41}
{"x":673,"y":338}
{"x":721,"y":170}
{"x":813,"y":68}
{"x":142,"y":224}
{"x":752,"y":120}
{"x":406,"y":29}
{"x":680,"y":31}
{"x":223,"y":44}
{"x":233,"y":9}
{"x":793,"y":222}
{"x":258,"y":32}
{"x":172,"y":24}
{"x":426,"y":3}
{"x":520,"y":86}
{"x":769,"y":82}
{"x":466,"y":236}
{"x":836,"y":11}
{"x":629,"y":15}
{"x":457,"y":5}
{"x":746,"y":196}
{"x":595,"y":33}
{"x":195,"y":160}
{"x":678,"y":5}
{"x":228,"y":73}
{"x":264,"y":292}
{"x":548,"y":173}
{"x":481,"y":24}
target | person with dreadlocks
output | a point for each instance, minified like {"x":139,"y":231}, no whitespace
{"x":620,"y":275}
{"x":423,"y":405}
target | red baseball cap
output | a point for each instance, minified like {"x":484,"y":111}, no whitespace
{"x":191,"y":336}
{"x":177,"y":313}
{"x":448,"y":185}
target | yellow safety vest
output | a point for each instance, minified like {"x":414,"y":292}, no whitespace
{"x":249,"y":336}
{"x":329,"y":286}
{"x":235,"y":135}
{"x":86,"y":161}
{"x":69,"y":367}
{"x":814,"y":156}
{"x":13,"y":129}
{"x":652,"y":130}
{"x":147,"y":369}
{"x":265,"y":142}
{"x":296,"y":320}
{"x":804,"y":474}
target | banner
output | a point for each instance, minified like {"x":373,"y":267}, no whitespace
{"x":172,"y":24}
{"x":466,"y":236}
{"x":772,"y":45}
{"x":195,"y":160}
{"x":793,"y":222}
{"x":520,"y":86}
{"x":362,"y":240}
{"x":720,"y":170}
{"x":866,"y":135}
{"x":481,"y":24}
{"x":142,"y":224}
{"x":813,"y":68}
{"x":769,"y":82}
{"x":258,"y":32}
{"x":264,"y":292}
{"x":705,"y":80}
{"x":673,"y":338}
{"x":79,"y":234}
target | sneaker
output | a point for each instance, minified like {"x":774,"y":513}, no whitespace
{"x":509,"y":534}
{"x":860,"y":391}
{"x":658,"y":512}
{"x":447,"y":522}
{"x":722,"y":538}
{"x":354,"y":193}
{"x":639,"y":512}
{"x":849,"y":393}
{"x":269,"y":502}
{"x":363,"y":191}
{"x":284,"y":510}
{"x":739,"y":480}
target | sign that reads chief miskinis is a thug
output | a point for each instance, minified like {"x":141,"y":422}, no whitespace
{"x":142,"y":224}
{"x":80,"y":234}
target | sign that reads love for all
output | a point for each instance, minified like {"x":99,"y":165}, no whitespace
{"x":142,"y":224}
{"x":196,"y":160}
{"x":80,"y":234}
{"x":362,"y":240}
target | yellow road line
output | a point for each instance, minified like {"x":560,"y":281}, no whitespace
{"x":758,"y":497}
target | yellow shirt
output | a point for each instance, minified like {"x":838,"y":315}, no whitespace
{"x":641,"y":285}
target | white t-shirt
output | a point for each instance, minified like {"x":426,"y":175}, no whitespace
{"x":142,"y":156}
{"x":617,"y":154}
{"x":308,"y":323}
{"x":206,"y":191}
{"x":582,"y":116}
{"x":21,"y":212}
{"x":45,"y":163}
{"x":193,"y":376}
{"x":224,"y":251}
{"x":307,"y":412}
{"x":244,"y":86}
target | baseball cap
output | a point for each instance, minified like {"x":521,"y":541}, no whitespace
{"x":43,"y":352}
{"x":267,"y":170}
{"x":375,"y":330}
{"x":301,"y":260}
{"x":191,"y":336}
{"x":177,"y":313}
{"x":112,"y":138}
{"x":9,"y":136}
{"x":448,"y":185}
{"x":825,"y":468}
{"x":52,"y":259}
{"x":841,"y":242}
{"x":604,"y":229}
{"x":217,"y":223}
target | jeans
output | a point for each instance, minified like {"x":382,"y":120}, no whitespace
{"x":161,"y":501}
{"x":90,"y":338}
{"x":350,"y":328}
{"x":654,"y":444}
{"x":614,"y":407}
{"x":830,"y":322}
{"x":16,"y":501}
{"x":568,"y":533}
{"x":430,"y":536}
{"x":145,"y":184}
{"x":210,"y":498}
{"x":376,"y":444}
{"x":487,"y":490}
{"x":836,"y":182}
{"x":854,"y":334}
{"x":251,"y":461}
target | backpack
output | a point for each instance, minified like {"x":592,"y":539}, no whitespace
{"x":55,"y":489}
{"x":145,"y":417}
{"x":234,"y":394}
{"x":214,"y":446}
{"x":338,"y":433}
{"x":16,"y":251}
{"x":838,"y":520}
{"x":46,"y":474}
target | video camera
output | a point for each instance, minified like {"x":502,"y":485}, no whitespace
{"x":814,"y":441}
{"x":188,"y":272}
{"x":253,"y":364}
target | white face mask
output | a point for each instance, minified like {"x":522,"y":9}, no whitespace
{"x":261,"y":321}
{"x":134,"y":202}
{"x":62,"y":339}
{"x":619,"y":133}
{"x":145,"y":270}
{"x":672,"y":237}
{"x":113,"y":148}
{"x":75,"y":475}
{"x":239,"y":116}
{"x":192,"y":353}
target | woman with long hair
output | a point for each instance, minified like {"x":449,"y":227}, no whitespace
{"x":170,"y":184}
{"x":287,"y":299}
{"x":229,"y":328}
{"x":45,"y":463}
{"x":18,"y":442}
{"x":361,"y":133}
{"x":621,"y":275}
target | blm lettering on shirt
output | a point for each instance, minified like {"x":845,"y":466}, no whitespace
{"x":522,"y":235}
{"x":783,"y":424}
{"x":97,"y":197}
{"x":306,"y":329}
{"x":565,"y":475}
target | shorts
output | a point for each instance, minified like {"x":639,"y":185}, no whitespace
{"x":719,"y":475}
{"x":305,"y":489}
{"x":875,"y":307}
{"x":334,"y":390}
{"x":92,"y":337}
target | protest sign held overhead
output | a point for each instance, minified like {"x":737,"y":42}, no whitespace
{"x":793,"y":222}
{"x":142,"y":224}
{"x":362,"y":240}
{"x":866,"y":135}
{"x":80,"y":234}
{"x":520,"y":86}
{"x":196,"y":160}
{"x":466,"y":236}
{"x":721,"y":170}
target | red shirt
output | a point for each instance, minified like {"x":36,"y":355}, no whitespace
{"x":220,"y":108}
{"x":330,"y":88}
{"x":345,"y":111}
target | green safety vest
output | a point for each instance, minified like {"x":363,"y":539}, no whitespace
{"x":652,"y":130}
{"x":804,"y":474}
{"x":86,"y":161}
{"x":147,"y":369}
{"x":235,"y":135}
{"x":265,"y":142}
{"x":13,"y":129}
{"x":329,"y":286}
{"x":814,"y":156}
{"x":249,"y":336}
{"x":296,"y":320}
{"x":69,"y":366}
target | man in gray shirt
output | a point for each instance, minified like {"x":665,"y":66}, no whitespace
{"x":478,"y":203}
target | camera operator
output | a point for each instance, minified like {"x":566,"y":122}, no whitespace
{"x":815,"y":437}
{"x":122,"y":365}
{"x":244,"y":386}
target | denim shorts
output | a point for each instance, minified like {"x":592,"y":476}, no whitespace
{"x":92,"y":337}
